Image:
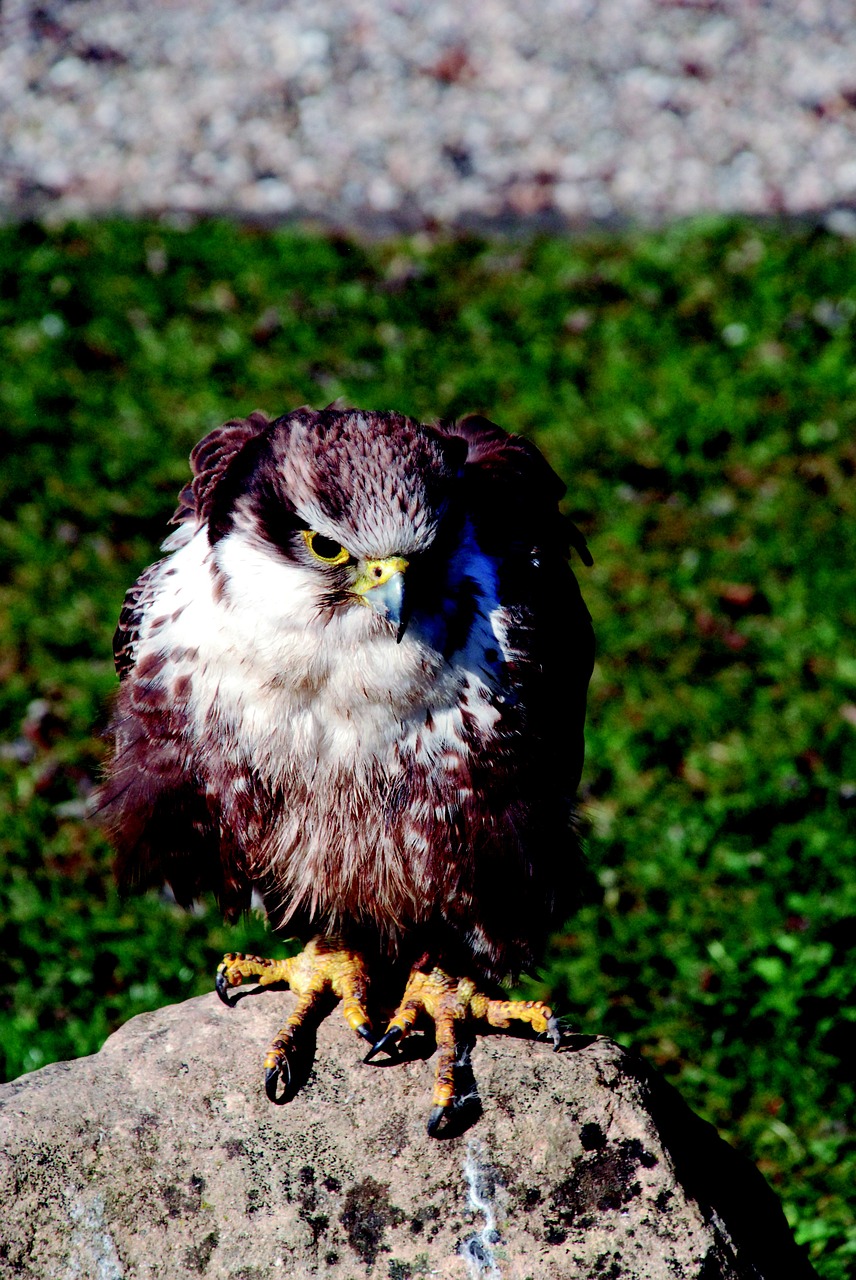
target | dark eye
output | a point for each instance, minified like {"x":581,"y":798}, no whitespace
{"x":327,"y":550}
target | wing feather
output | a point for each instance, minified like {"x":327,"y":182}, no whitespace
{"x":209,"y":462}
{"x":526,"y":777}
{"x":138,"y":600}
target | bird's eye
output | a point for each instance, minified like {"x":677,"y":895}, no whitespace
{"x":327,"y":550}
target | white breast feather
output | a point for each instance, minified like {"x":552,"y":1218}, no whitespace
{"x":279,"y":680}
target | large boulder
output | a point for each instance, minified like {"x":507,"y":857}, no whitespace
{"x":161,"y":1157}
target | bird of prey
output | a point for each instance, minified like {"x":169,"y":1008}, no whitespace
{"x":355,"y":688}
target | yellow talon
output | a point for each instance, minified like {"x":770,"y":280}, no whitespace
{"x":324,"y":965}
{"x":447,"y":1001}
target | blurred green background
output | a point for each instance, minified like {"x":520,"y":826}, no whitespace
{"x":696,"y":387}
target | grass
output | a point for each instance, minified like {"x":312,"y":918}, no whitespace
{"x":697,"y":389}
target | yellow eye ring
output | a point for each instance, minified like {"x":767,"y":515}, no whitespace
{"x":327,"y":550}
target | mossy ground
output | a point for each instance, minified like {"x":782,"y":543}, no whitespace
{"x":697,"y":389}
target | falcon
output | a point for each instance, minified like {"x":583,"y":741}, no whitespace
{"x":354,"y":690}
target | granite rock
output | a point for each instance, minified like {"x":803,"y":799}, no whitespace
{"x":161,"y":1157}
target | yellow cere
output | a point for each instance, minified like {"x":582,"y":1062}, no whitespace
{"x":376,"y":573}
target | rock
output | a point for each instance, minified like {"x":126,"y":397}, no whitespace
{"x":160,"y":1156}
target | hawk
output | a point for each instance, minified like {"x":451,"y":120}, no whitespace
{"x":355,"y":690}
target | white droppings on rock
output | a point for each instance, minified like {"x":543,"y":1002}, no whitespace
{"x":484,"y":1194}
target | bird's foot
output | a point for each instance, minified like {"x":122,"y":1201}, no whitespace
{"x":324,"y":966}
{"x":448,"y":1001}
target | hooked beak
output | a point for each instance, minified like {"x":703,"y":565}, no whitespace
{"x":380,"y":584}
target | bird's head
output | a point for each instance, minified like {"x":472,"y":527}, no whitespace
{"x":322,"y":513}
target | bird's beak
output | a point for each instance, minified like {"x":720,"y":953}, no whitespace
{"x":380,"y":583}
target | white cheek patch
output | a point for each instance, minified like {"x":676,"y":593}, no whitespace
{"x":251,"y":624}
{"x":184,"y":585}
{"x":259,"y":617}
{"x":263,"y":589}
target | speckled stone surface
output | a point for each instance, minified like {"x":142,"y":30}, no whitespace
{"x":161,"y":1157}
{"x":390,"y":114}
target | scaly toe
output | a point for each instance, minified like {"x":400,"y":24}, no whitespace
{"x":450,"y":1002}
{"x":324,"y":967}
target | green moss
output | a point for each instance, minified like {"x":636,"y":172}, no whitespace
{"x":696,"y":387}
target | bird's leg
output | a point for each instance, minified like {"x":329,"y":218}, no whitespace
{"x":325,"y":965}
{"x":447,"y":1001}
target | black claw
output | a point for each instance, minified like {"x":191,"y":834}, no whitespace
{"x":366,"y":1032}
{"x":387,"y":1042}
{"x":221,"y":986}
{"x":554,"y":1031}
{"x":272,"y":1078}
{"x":434,"y":1119}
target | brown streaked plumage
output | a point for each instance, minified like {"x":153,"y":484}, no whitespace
{"x":400,"y":777}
